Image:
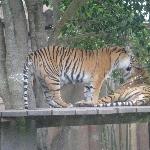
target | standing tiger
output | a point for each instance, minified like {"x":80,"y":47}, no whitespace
{"x":56,"y":66}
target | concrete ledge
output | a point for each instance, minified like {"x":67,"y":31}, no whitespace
{"x":74,"y":111}
{"x":86,"y":111}
{"x":127,"y":109}
{"x":39,"y":112}
{"x":13,"y":113}
{"x":107,"y":110}
{"x":143,"y":109}
{"x":63,"y":111}
{"x":52,"y":117}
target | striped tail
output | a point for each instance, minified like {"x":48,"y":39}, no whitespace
{"x":126,"y":103}
{"x":25,"y":83}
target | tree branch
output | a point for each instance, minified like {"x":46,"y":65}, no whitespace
{"x":68,"y":14}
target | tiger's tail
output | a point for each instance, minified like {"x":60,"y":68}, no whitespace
{"x":139,"y":102}
{"x":127,"y":103}
{"x":25,"y":83}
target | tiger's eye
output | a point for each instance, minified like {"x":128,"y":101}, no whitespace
{"x":128,"y":68}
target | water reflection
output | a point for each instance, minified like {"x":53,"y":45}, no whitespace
{"x":133,"y":136}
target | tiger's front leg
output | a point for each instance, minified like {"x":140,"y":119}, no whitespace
{"x":91,"y":93}
{"x":108,"y":99}
{"x":101,"y":101}
{"x":88,"y":94}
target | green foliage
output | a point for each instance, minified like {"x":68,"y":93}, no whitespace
{"x":117,"y":76}
{"x":64,"y":4}
{"x":141,"y":46}
{"x":47,"y":2}
{"x":110,"y":22}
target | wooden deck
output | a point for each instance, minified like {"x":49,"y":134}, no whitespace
{"x":79,"y":116}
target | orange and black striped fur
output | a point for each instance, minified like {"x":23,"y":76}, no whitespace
{"x":56,"y":66}
{"x":134,"y":92}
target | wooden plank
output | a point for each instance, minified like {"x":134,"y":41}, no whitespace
{"x":143,"y":109}
{"x":74,"y":111}
{"x":63,"y":111}
{"x":77,"y":120}
{"x":39,"y":112}
{"x":142,"y":134}
{"x":14,"y":113}
{"x":127,"y":109}
{"x":78,"y":116}
{"x":86,"y":111}
{"x":107,"y":110}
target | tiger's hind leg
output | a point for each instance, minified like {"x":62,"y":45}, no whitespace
{"x":49,"y":99}
{"x":48,"y":95}
{"x":53,"y":94}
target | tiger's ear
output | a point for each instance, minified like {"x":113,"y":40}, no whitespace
{"x":128,"y":49}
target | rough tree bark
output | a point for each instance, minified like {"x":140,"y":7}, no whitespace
{"x":4,"y":90}
{"x":21,"y":36}
{"x":30,"y":6}
{"x":13,"y":66}
{"x":36,"y":24}
{"x":38,"y":39}
{"x":12,"y":136}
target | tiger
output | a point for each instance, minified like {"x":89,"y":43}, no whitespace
{"x":56,"y":66}
{"x":134,"y":92}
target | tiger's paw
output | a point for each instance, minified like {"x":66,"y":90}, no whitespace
{"x":83,"y":103}
{"x":70,"y":105}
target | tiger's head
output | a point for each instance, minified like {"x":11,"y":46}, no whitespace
{"x":136,"y":69}
{"x":120,"y":59}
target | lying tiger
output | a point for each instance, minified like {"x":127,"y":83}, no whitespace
{"x":134,"y":92}
{"x":56,"y":66}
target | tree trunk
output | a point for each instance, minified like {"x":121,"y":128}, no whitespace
{"x":36,"y":24}
{"x":12,"y":136}
{"x":41,"y":35}
{"x":38,"y":40}
{"x":4,"y":90}
{"x":15,"y":55}
{"x":30,"y":8}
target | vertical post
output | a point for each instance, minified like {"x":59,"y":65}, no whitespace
{"x":142,"y":136}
